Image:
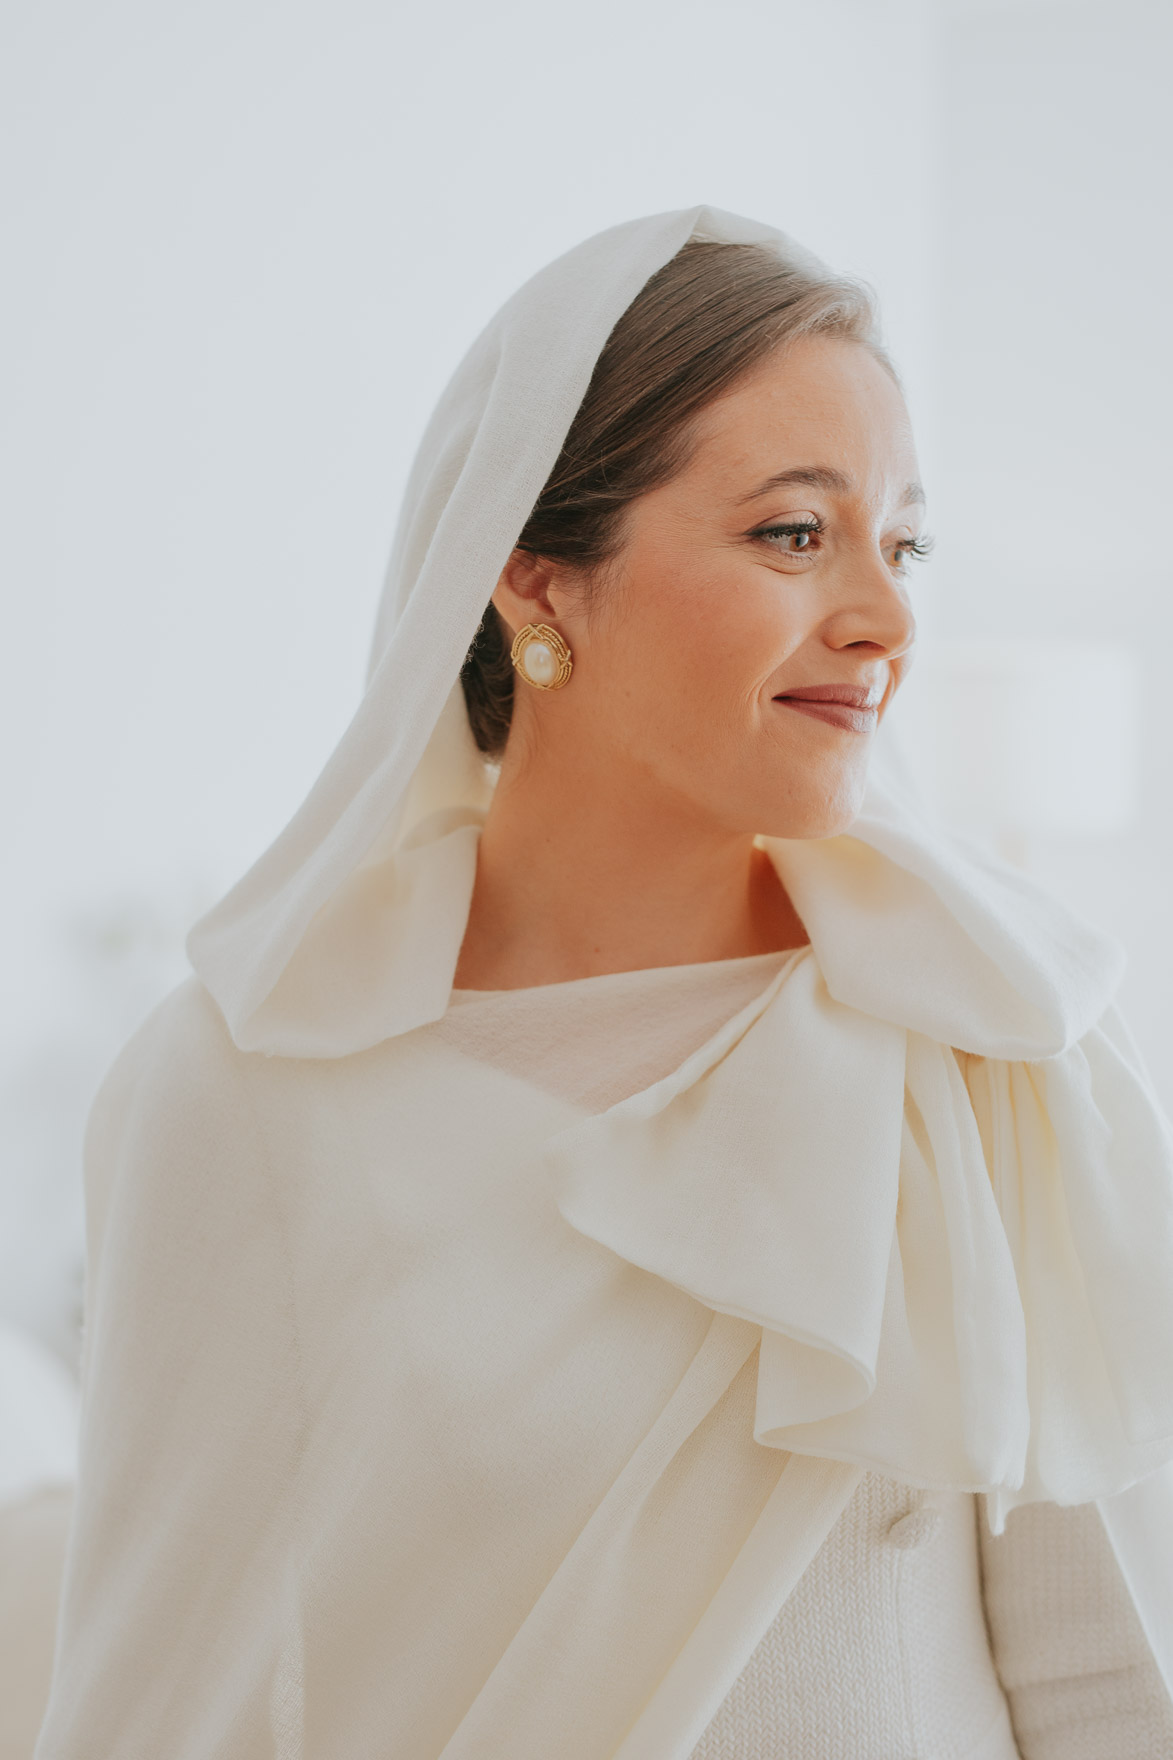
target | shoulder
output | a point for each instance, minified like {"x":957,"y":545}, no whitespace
{"x":175,"y":1104}
{"x":181,"y":1054}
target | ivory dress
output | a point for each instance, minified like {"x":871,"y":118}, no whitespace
{"x":448,"y":1397}
{"x":915,"y":1632}
{"x":480,"y":1448}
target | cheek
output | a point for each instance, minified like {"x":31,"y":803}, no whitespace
{"x":705,"y":632}
{"x":687,"y":657}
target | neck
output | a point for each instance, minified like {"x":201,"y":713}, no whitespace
{"x":574,"y":880}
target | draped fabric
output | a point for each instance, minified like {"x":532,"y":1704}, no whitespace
{"x":428,"y":1410}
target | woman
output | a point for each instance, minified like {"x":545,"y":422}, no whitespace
{"x":622,"y":1193}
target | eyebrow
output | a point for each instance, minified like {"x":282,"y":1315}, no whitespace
{"x":817,"y":476}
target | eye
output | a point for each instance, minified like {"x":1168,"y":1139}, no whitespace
{"x":910,"y":548}
{"x":795,"y":538}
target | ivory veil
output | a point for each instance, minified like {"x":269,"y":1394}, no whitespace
{"x":400,"y":1373}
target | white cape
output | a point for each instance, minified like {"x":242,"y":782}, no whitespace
{"x":921,"y":1188}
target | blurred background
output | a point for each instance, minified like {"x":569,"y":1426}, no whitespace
{"x":245,"y":245}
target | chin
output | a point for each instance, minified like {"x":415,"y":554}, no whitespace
{"x":827,"y":813}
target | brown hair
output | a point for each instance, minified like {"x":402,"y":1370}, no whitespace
{"x":701,"y":322}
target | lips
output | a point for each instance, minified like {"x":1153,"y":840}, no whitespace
{"x":853,"y":707}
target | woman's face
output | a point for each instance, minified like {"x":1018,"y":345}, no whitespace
{"x":775,"y":562}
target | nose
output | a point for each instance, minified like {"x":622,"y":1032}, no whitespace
{"x":875,"y":612}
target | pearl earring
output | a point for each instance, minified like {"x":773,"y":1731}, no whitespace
{"x":541,"y":657}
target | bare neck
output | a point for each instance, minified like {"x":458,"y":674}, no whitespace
{"x":575,"y":881}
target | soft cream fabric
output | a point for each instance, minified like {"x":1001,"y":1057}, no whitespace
{"x":32,"y":1546}
{"x":428,"y":1412}
{"x":883,"y":1648}
{"x":434,"y":1472}
{"x":596,"y":1041}
{"x":470,"y":1441}
{"x":1070,"y":1650}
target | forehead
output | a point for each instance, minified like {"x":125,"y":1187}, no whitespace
{"x":822,"y":401}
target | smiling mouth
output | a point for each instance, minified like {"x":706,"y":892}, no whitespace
{"x":846,"y":706}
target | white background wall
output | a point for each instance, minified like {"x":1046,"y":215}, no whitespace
{"x":1054,"y":378}
{"x":246,"y":243}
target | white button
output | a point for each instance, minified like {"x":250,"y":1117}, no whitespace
{"x":915,"y":1528}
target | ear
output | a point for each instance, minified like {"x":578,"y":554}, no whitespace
{"x":522,"y":593}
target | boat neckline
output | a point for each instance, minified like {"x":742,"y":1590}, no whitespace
{"x":744,"y":962}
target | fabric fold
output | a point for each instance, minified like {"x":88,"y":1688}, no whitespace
{"x":602,"y":1621}
{"x":919,"y":926}
{"x":934,"y":1244}
{"x":743,"y":1177}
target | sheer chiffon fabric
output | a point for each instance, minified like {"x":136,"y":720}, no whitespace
{"x":596,"y":1041}
{"x":590,"y":1388}
{"x":913,"y":1630}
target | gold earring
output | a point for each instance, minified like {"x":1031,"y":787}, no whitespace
{"x":541,"y":657}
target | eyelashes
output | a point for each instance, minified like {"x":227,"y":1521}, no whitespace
{"x":792,"y":529}
{"x":916,"y":549}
